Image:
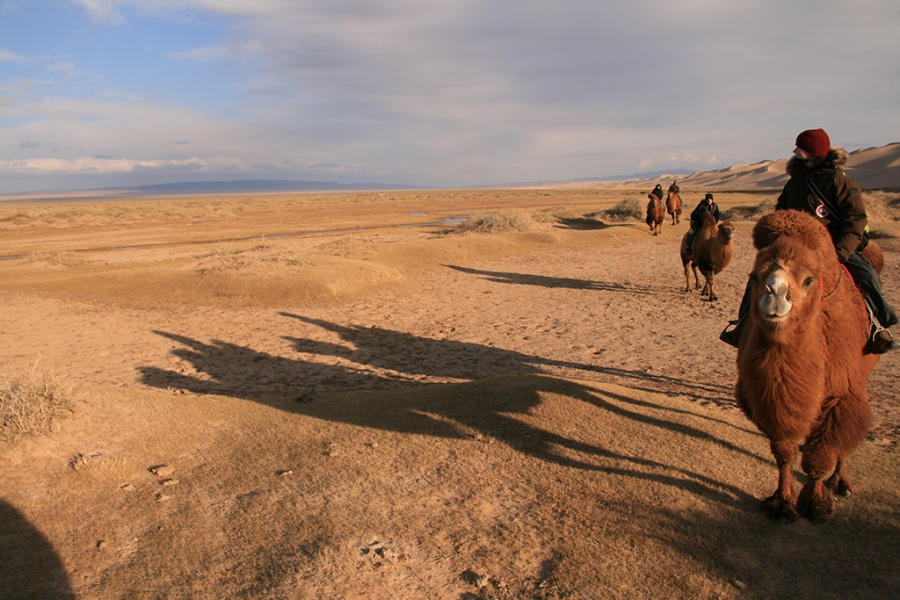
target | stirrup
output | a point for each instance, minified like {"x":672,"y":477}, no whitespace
{"x":882,"y":341}
{"x":732,"y":336}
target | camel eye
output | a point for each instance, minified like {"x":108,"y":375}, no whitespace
{"x":807,"y":283}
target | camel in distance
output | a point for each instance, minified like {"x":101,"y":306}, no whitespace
{"x":656,"y":214}
{"x":802,"y":361}
{"x":711,"y":253}
{"x":673,"y":206}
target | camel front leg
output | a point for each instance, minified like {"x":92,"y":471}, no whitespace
{"x":843,"y":424}
{"x":709,"y":286}
{"x":696,"y":277}
{"x":780,"y":505}
{"x":816,"y":500}
{"x":839,"y":482}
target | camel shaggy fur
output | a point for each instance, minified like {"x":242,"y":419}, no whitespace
{"x":673,"y":207}
{"x":711,"y":253}
{"x":656,"y":214}
{"x":802,"y":365}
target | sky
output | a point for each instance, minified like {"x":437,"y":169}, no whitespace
{"x":105,"y":93}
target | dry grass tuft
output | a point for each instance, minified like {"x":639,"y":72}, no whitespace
{"x":31,"y":403}
{"x":499,"y":222}
{"x":227,"y":259}
{"x":882,"y":206}
{"x":57,"y":259}
{"x":750,"y":212}
{"x":630,"y":209}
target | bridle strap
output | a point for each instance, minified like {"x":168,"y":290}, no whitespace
{"x":836,"y":285}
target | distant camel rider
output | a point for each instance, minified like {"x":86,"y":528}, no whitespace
{"x":707,"y":205}
{"x":657,"y":191}
{"x":674,"y":189}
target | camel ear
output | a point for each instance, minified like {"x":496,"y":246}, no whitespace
{"x":791,"y":223}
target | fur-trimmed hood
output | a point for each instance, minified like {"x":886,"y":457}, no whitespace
{"x":834,"y":161}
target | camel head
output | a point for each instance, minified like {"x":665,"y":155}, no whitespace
{"x":726,"y":231}
{"x":785,"y":282}
{"x":794,"y":259}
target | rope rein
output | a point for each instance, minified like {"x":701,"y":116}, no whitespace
{"x":836,"y":285}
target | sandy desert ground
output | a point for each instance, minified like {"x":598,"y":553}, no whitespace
{"x":330,"y":396}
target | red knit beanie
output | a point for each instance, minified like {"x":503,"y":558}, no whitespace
{"x":814,"y":141}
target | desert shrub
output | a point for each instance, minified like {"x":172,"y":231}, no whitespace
{"x":554,"y":215}
{"x":17,"y":219}
{"x":882,"y":206}
{"x":57,"y":259}
{"x":628,"y":209}
{"x":499,"y":222}
{"x":750,"y":212}
{"x":31,"y":403}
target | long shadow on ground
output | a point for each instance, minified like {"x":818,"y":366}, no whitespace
{"x":773,"y":559}
{"x":564,"y":282}
{"x":491,"y":407}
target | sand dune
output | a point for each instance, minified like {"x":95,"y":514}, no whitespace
{"x":872,"y":168}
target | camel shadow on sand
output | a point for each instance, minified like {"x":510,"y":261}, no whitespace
{"x":565,"y":282}
{"x":502,"y":408}
{"x":475,"y":401}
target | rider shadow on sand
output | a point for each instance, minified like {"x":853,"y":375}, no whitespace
{"x":379,"y":359}
{"x":563,"y":282}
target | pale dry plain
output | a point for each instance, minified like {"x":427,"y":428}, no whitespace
{"x":329,"y":396}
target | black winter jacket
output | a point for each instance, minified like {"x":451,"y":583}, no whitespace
{"x":702,"y":208}
{"x":819,"y":186}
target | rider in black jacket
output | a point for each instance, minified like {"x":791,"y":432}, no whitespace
{"x":819,"y":187}
{"x":707,"y":205}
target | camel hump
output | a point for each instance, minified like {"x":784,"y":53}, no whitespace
{"x":874,"y":255}
{"x":709,"y":219}
{"x":794,"y":224}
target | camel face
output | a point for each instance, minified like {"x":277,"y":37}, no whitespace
{"x":781,"y":290}
{"x":784,"y":287}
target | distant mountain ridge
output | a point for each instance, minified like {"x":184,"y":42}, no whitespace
{"x":645,"y":175}
{"x":873,"y":168}
{"x":259,"y":185}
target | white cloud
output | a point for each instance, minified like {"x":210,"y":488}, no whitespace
{"x":102,"y":11}
{"x":10,"y":56}
{"x":203,"y":54}
{"x":65,"y":67}
{"x":105,"y":166}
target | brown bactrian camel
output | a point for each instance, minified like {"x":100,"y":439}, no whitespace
{"x":802,"y":364}
{"x":712,"y":250}
{"x":656,"y":214}
{"x":673,"y":207}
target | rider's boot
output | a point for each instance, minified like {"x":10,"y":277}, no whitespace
{"x":689,"y":243}
{"x":881,"y":341}
{"x":733,"y":336}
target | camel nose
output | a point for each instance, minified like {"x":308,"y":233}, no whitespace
{"x":776,"y":285}
{"x":775,"y":303}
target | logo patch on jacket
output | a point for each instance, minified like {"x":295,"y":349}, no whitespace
{"x":821,"y":211}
